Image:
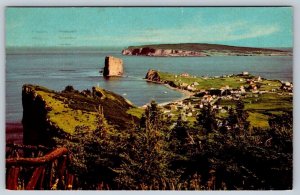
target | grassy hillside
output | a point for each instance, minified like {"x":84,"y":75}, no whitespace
{"x":71,"y":109}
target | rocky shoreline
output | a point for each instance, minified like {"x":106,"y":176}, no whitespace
{"x":153,"y":77}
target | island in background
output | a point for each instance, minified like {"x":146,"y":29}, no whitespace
{"x":201,"y":50}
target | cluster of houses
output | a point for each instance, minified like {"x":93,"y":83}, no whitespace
{"x":287,"y":86}
{"x":191,"y":106}
{"x":185,"y":108}
{"x":191,"y":87}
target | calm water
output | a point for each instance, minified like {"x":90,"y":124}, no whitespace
{"x":81,"y":70}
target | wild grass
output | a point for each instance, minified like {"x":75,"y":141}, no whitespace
{"x":137,"y":112}
{"x":66,"y":118}
{"x":258,"y":120}
{"x":268,"y":85}
{"x":269,"y":102}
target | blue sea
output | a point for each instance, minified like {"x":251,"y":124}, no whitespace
{"x":56,"y":70}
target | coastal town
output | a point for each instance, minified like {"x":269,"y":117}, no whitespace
{"x":254,"y":91}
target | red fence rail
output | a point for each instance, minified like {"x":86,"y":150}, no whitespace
{"x":37,"y":168}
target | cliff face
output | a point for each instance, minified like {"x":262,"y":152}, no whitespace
{"x":47,"y":113}
{"x":160,"y":52}
{"x":113,"y":66}
{"x":36,"y":127}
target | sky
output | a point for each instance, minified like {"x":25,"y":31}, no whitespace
{"x":122,"y":27}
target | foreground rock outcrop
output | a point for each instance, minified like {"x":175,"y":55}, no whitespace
{"x":113,"y":66}
{"x":48,"y":113}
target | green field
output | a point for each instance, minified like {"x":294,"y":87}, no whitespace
{"x":261,"y":106}
{"x":206,"y":83}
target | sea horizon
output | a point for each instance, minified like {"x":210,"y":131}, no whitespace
{"x":85,"y":49}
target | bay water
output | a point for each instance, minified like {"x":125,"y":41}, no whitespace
{"x":81,"y":70}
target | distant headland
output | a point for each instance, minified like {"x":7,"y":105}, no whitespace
{"x":201,"y":50}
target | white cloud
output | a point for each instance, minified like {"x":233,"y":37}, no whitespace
{"x":213,"y":33}
{"x":245,"y":30}
{"x":198,"y":34}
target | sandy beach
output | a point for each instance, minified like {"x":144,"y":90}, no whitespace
{"x":186,"y":94}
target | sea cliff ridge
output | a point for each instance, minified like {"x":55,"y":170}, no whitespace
{"x":200,"y":50}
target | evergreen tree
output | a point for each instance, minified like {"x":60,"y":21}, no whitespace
{"x":281,"y":131}
{"x":94,"y":152}
{"x":179,"y":137}
{"x":146,"y":159}
{"x":242,"y":117}
{"x":207,"y":119}
{"x":237,"y":119}
{"x":232,"y":121}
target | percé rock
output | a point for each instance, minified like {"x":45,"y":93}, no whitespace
{"x":113,"y":66}
{"x":153,"y":76}
{"x":48,"y":113}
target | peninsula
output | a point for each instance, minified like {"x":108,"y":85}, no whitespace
{"x":200,"y":50}
{"x":263,"y":98}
